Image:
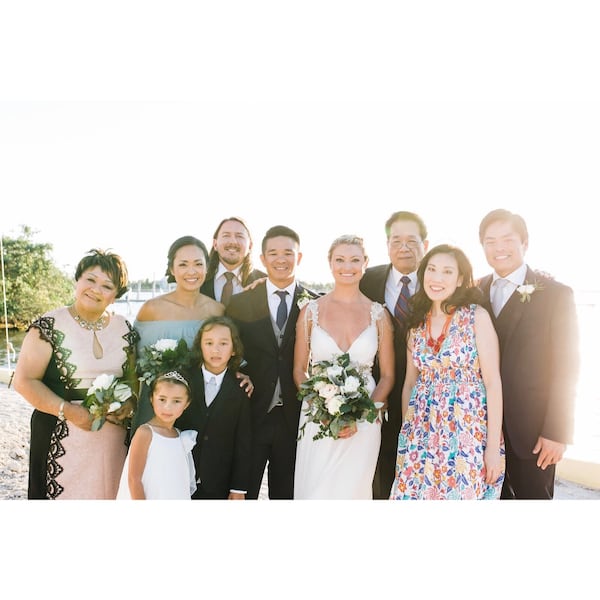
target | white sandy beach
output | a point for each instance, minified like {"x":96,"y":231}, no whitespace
{"x":15,"y":413}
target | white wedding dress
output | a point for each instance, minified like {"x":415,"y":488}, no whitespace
{"x":340,"y":469}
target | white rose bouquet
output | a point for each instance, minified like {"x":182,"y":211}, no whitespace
{"x":162,"y":356}
{"x":337,"y":396}
{"x":107,"y":394}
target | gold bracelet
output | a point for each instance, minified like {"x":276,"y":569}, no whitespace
{"x":61,"y":414}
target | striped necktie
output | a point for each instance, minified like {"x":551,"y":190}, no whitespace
{"x":401,"y":308}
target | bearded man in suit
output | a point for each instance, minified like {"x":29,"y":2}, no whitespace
{"x":266,"y":316}
{"x":536,"y":321}
{"x":229,"y":268}
{"x":407,"y":243}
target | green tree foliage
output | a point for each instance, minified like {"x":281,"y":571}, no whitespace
{"x":34,"y":284}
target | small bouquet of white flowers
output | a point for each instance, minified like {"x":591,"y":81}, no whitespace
{"x":107,"y":394}
{"x":162,"y":356}
{"x":337,"y":396}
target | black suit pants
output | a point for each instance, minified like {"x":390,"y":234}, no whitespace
{"x":273,"y":444}
{"x":524,"y":480}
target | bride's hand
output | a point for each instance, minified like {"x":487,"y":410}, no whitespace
{"x":348,"y":431}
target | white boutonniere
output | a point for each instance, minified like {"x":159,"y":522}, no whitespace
{"x":304,"y":297}
{"x":527,"y":289}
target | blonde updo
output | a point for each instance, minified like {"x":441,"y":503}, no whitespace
{"x":349,"y":239}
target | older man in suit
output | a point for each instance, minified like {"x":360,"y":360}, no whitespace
{"x":392,"y":284}
{"x":266,"y":317}
{"x":230,"y":268}
{"x":536,"y":321}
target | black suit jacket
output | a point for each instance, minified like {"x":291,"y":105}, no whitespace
{"x":267,"y":361}
{"x":208,"y":287}
{"x":222,"y":451}
{"x":539,"y":358}
{"x":372,"y":285}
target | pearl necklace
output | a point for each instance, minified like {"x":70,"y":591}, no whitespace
{"x":92,"y":326}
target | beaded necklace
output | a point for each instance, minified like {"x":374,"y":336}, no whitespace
{"x":436,"y":343}
{"x":92,"y":326}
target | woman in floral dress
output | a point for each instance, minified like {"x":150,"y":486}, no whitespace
{"x":450,"y":444}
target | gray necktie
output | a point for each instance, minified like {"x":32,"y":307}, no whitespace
{"x":227,"y":288}
{"x":498,"y":297}
{"x":210,"y":390}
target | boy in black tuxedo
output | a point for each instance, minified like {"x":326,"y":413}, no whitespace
{"x":220,"y":412}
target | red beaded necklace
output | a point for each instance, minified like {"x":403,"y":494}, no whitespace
{"x":436,"y":344}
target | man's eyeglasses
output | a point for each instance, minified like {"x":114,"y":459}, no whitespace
{"x":411,"y":244}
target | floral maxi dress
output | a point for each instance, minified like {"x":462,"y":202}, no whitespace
{"x":443,"y":437}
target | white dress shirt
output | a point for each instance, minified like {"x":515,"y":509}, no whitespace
{"x":393,"y":285}
{"x":513,"y":281}
{"x":218,"y":381}
{"x":273,"y":298}
{"x":219,"y":281}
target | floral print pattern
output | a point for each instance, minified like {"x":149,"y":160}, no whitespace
{"x":442,"y":439}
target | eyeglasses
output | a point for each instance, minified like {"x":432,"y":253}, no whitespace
{"x":410,"y":244}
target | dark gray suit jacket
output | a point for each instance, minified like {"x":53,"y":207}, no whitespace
{"x":539,"y":355}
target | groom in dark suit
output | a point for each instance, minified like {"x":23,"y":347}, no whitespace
{"x":407,"y":242}
{"x":536,"y":321}
{"x":266,"y":317}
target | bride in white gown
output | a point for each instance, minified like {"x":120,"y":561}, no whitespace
{"x":344,"y":320}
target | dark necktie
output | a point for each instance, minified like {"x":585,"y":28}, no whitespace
{"x":227,"y":288}
{"x":282,"y":311}
{"x":401,"y":308}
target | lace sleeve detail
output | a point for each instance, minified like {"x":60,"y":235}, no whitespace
{"x":45,"y":325}
{"x":377,"y":316}
{"x":310,"y":316}
{"x":377,"y":311}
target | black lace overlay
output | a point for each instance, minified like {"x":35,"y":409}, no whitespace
{"x":61,"y":431}
{"x":47,"y":432}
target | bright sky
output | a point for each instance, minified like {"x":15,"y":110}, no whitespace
{"x":329,"y":139}
{"x":127,"y":124}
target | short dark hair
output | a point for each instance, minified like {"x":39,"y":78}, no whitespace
{"x":238,"y":347}
{"x":405,"y":215}
{"x":501,"y":214}
{"x":112,"y":264}
{"x":186,"y":240}
{"x":277,"y":231}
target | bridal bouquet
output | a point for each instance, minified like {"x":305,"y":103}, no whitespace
{"x":162,"y":356}
{"x":107,"y":394}
{"x":337,"y":396}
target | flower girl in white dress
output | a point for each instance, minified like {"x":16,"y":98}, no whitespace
{"x":159,"y":464}
{"x":342,"y":321}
